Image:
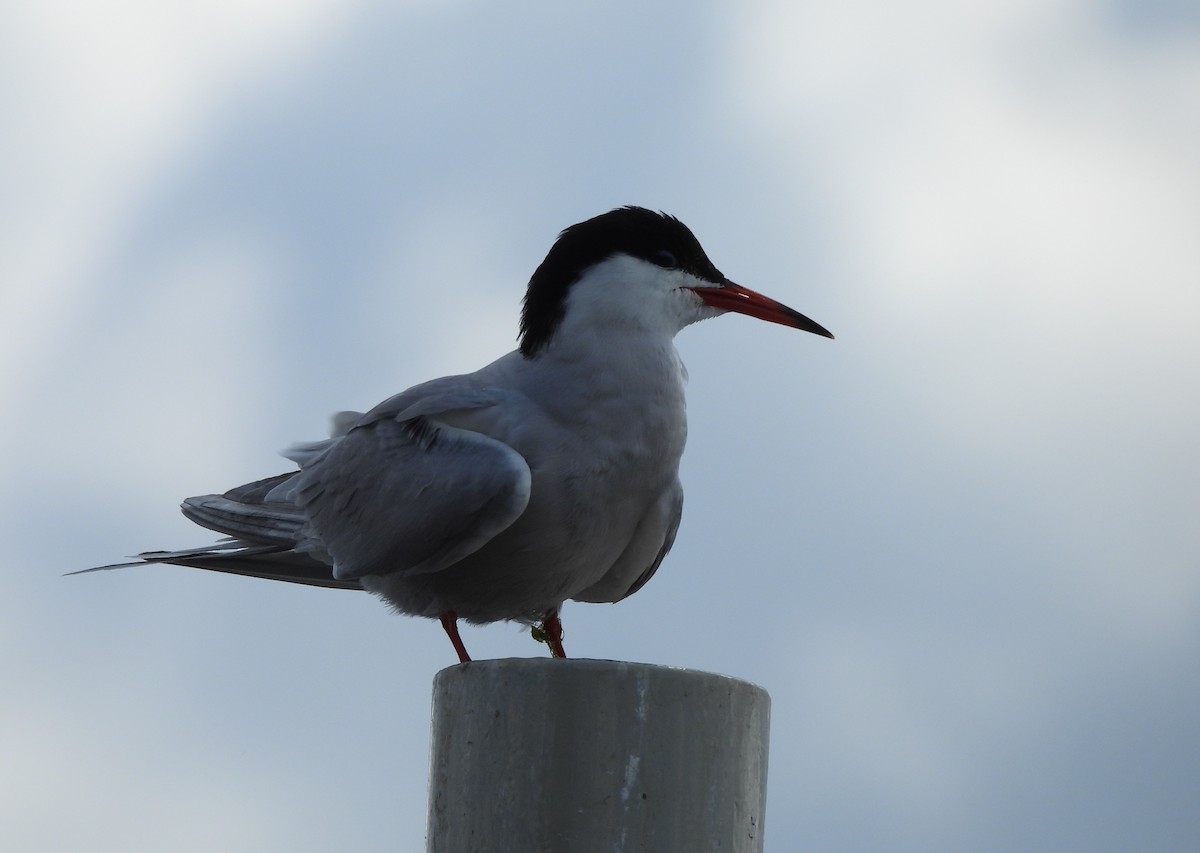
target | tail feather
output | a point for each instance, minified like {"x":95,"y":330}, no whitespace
{"x":274,"y":523}
{"x":270,"y":562}
{"x":267,"y":538}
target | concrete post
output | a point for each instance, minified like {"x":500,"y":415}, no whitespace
{"x":568,"y":756}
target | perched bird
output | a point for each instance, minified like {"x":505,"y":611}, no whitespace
{"x":550,"y":474}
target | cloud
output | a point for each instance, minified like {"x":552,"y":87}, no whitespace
{"x":956,"y":544}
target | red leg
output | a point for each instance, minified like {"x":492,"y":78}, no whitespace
{"x":450,"y":624}
{"x":553,"y":630}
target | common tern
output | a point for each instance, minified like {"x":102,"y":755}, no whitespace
{"x":550,"y":474}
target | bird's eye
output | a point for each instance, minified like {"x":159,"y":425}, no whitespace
{"x":664,"y":259}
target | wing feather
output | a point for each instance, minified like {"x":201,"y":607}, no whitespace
{"x":409,"y":497}
{"x":643,"y":555}
{"x":393,"y":490}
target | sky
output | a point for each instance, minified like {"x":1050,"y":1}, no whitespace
{"x":958,"y":545}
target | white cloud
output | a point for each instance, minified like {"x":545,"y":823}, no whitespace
{"x":109,"y":98}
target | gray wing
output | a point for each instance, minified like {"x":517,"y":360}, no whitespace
{"x":675,"y":514}
{"x":406,"y":494}
{"x":653,"y":567}
{"x":643,"y":555}
{"x":394,"y":490}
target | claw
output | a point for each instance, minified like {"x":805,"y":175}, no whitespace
{"x":550,"y":632}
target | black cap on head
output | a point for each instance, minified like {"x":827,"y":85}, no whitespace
{"x":636,"y":231}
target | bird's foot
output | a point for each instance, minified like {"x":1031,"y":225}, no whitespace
{"x":550,"y":632}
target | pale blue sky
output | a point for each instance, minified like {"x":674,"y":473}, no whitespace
{"x":958,"y":545}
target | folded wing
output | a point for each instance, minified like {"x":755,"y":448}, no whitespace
{"x":407,"y":496}
{"x":395,"y":490}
